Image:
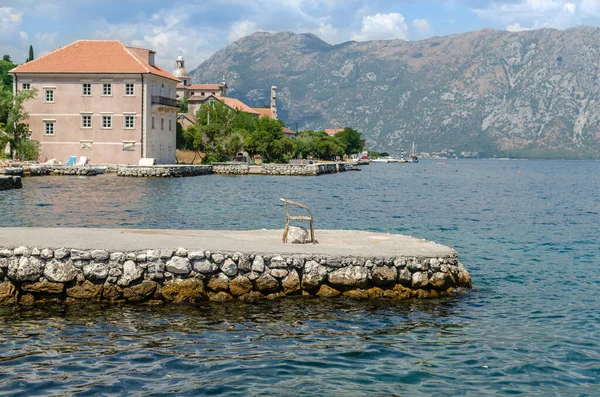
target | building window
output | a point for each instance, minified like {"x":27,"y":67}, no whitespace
{"x":49,"y":96}
{"x":211,"y":103}
{"x":26,"y":86}
{"x":86,"y":89}
{"x":107,"y":89}
{"x":49,"y":127}
{"x":212,"y":93}
{"x":129,"y":122}
{"x":129,"y":89}
{"x":152,"y":122}
{"x":85,"y":145}
{"x":86,"y":121}
{"x":162,"y":124}
{"x":202,"y":93}
{"x":170,"y":125}
{"x":107,"y":122}
{"x":128,"y":146}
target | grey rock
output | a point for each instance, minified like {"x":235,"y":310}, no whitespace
{"x":6,"y":253}
{"x":156,"y":270}
{"x":434,"y":264}
{"x":439,"y":280}
{"x":404,"y":276}
{"x":152,"y":255}
{"x":140,"y":257}
{"x":314,"y":275}
{"x":78,"y":255}
{"x":178,"y":265}
{"x":60,"y":271}
{"x":244,"y":263}
{"x":279,"y":273}
{"x":21,"y":251}
{"x":195,"y":255}
{"x":400,"y":262}
{"x":99,"y":255}
{"x":258,"y":265}
{"x":419,"y":280}
{"x":181,"y":252}
{"x":117,"y":257}
{"x":297,"y":235}
{"x":131,"y":272}
{"x":383,"y":275}
{"x":130,"y":256}
{"x":277,"y":262}
{"x":47,"y":253}
{"x":253,"y":276}
{"x":350,"y":276}
{"x":217,"y":258}
{"x":25,"y":269}
{"x":166,"y":253}
{"x":298,"y":263}
{"x":414,"y":265}
{"x":229,"y":267}
{"x":95,"y":271}
{"x":35,"y":251}
{"x":204,"y":266}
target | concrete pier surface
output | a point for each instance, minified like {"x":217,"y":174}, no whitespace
{"x":330,"y":242}
{"x":39,"y":265}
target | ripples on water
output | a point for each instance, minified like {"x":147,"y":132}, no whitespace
{"x":527,"y":231}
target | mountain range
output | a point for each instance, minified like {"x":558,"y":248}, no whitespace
{"x":529,"y":94}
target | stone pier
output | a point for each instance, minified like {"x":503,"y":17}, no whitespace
{"x":40,"y":265}
{"x":10,"y":182}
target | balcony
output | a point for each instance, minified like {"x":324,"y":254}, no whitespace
{"x":161,"y":100}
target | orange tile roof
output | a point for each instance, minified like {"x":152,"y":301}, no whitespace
{"x":333,"y":131}
{"x":237,"y":104}
{"x":206,"y":87}
{"x":288,"y":131}
{"x":94,"y":56}
{"x":264,"y":112}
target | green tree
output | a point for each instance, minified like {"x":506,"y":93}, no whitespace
{"x":16,"y":126}
{"x":6,"y":58}
{"x":183,"y":105}
{"x":351,"y":140}
{"x":30,"y":57}
{"x":6,"y":80}
{"x":317,"y":144}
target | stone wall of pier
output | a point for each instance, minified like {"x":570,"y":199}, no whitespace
{"x":30,"y":275}
{"x":230,"y":169}
{"x":303,"y":169}
{"x":10,"y":182}
{"x":163,"y":171}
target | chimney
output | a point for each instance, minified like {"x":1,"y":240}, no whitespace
{"x":151,"y":58}
{"x":274,"y":101}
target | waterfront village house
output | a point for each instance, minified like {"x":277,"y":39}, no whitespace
{"x":333,"y":131}
{"x":103,"y":100}
{"x":197,"y":94}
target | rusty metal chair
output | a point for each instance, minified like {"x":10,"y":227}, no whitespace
{"x":308,"y":218}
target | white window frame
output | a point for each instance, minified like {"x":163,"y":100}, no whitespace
{"x":49,"y":92}
{"x":26,"y":86}
{"x":83,"y":116}
{"x":127,"y":86}
{"x":108,"y":117}
{"x":48,"y":123}
{"x":107,"y":87}
{"x":83,"y":89}
{"x":125,"y":117}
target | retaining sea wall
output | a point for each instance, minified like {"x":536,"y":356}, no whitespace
{"x":10,"y":182}
{"x":164,"y":171}
{"x":31,"y":274}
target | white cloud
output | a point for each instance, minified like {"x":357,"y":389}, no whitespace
{"x":558,"y":14}
{"x":9,"y":19}
{"x":241,"y":29}
{"x":382,"y":27}
{"x":422,"y":26}
{"x":46,"y":39}
{"x":24,"y":36}
{"x":516,"y":28}
{"x":328,"y":33}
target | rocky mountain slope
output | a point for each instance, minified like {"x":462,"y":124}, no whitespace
{"x":532,"y":94}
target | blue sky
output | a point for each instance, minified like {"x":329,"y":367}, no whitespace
{"x":198,"y":28}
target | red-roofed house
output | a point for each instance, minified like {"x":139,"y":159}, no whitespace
{"x":103,"y":100}
{"x":333,"y":131}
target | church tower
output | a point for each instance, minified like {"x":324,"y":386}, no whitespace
{"x":274,"y":102}
{"x":180,"y":72}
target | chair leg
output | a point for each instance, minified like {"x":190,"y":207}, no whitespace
{"x":285,"y":231}
{"x":312,"y":232}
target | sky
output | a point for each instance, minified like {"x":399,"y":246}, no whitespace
{"x":197,"y":29}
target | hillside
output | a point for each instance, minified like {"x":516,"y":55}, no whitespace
{"x":532,"y":94}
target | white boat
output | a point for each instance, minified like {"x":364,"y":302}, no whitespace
{"x":380,"y":160}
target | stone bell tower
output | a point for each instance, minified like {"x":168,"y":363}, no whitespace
{"x":274,"y":101}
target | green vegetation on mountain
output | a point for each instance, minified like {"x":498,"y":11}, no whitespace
{"x":531,"y":94}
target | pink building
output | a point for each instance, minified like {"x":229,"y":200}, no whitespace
{"x":103,"y":100}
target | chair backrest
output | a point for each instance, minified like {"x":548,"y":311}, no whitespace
{"x":71,"y":160}
{"x":82,"y":160}
{"x":287,"y":202}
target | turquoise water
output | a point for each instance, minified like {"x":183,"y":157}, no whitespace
{"x":526,"y":230}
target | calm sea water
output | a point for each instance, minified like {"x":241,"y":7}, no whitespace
{"x":528,"y":232}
